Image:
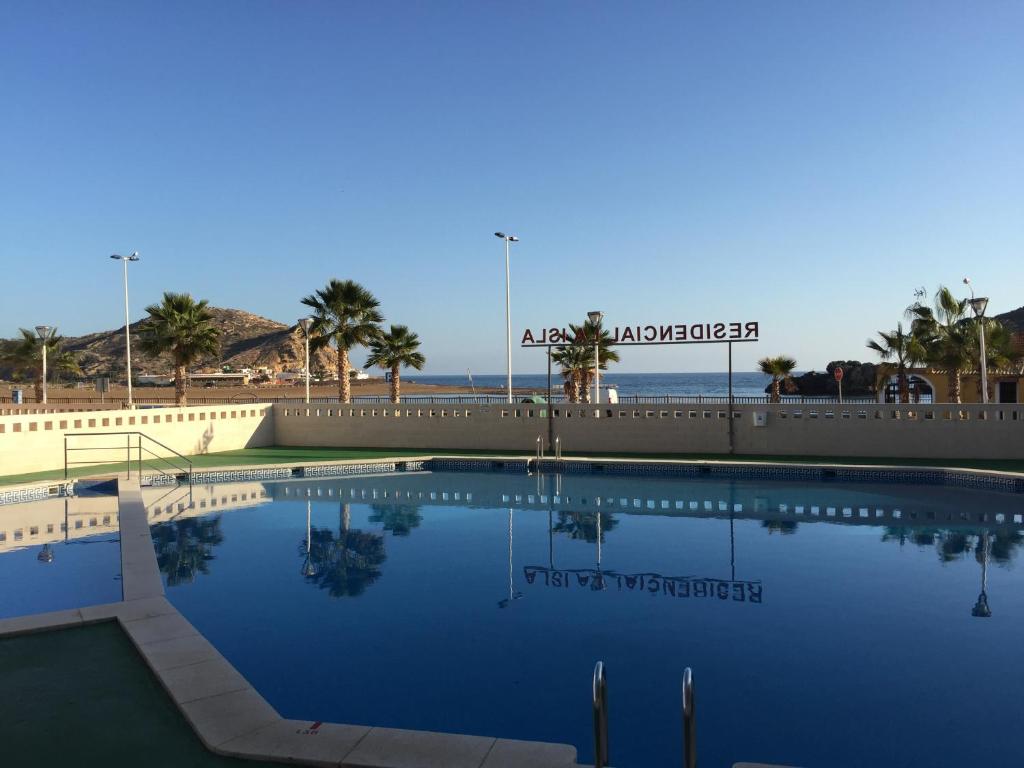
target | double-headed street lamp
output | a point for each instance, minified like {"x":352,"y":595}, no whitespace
{"x":305,"y":323}
{"x":133,"y":256}
{"x":44,"y":332}
{"x":595,"y":320}
{"x":979,"y":305}
{"x":508,"y":310}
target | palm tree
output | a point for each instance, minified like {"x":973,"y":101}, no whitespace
{"x":25,"y":357}
{"x":573,"y":359}
{"x":947,"y":334}
{"x":1001,"y":351}
{"x":182,"y":327}
{"x":394,"y":349}
{"x":779,"y":368}
{"x":345,"y":313}
{"x":905,"y":349}
{"x":576,"y":359}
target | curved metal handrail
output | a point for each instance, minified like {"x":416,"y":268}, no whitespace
{"x":689,"y":724}
{"x":600,"y":704}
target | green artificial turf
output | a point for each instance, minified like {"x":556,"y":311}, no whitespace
{"x":84,"y":697}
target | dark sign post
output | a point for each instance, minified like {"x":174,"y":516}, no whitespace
{"x":646,"y":335}
{"x":838,"y":373}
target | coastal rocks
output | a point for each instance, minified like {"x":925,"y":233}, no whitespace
{"x":858,"y":381}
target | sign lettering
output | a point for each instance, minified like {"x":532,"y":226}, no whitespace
{"x":675,"y":333}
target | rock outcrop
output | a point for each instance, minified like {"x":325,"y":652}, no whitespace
{"x":858,"y":381}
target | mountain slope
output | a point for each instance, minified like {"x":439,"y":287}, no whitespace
{"x":247,"y":341}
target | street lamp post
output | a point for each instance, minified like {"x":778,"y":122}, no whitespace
{"x":595,"y":320}
{"x":305,"y":323}
{"x":979,"y":305}
{"x":44,"y":334}
{"x":133,"y":256}
{"x":508,"y":309}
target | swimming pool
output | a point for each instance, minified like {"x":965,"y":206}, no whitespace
{"x":826,"y":623}
{"x":58,"y":553}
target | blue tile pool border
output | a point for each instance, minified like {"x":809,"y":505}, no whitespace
{"x":1007,"y":482}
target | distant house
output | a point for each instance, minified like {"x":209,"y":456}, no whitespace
{"x":931,"y":385}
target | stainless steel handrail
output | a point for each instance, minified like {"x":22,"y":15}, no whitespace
{"x":600,"y":704}
{"x":539,"y":453}
{"x":187,"y":469}
{"x":689,"y":724}
{"x":558,"y":448}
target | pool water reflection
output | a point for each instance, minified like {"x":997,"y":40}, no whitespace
{"x":59,"y":553}
{"x":827,"y":624}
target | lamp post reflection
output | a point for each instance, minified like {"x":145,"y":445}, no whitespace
{"x":513,"y":593}
{"x":981,"y":609}
{"x":308,"y":567}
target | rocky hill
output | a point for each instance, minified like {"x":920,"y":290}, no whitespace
{"x":1014,"y":319}
{"x":247,"y":341}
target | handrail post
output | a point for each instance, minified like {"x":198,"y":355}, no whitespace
{"x":689,"y":724}
{"x":599,"y":698}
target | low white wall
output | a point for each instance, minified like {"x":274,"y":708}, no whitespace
{"x":35,"y":442}
{"x":942,"y":431}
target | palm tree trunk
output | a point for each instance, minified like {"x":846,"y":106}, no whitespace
{"x":904,"y":386}
{"x":954,"y":386}
{"x":776,"y":385}
{"x":346,"y":518}
{"x":586,"y":380}
{"x":39,"y":385}
{"x":395,"y":384}
{"x":180,"y":398}
{"x":344,"y":385}
{"x":575,"y":387}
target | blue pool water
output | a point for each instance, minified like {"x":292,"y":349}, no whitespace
{"x":59,"y":553}
{"x":826,"y":624}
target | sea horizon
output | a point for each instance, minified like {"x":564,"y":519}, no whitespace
{"x":711,"y":383}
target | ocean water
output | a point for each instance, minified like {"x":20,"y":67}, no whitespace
{"x":745,"y":384}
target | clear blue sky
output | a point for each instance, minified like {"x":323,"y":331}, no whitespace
{"x":805,"y":164}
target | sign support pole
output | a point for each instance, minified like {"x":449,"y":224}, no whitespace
{"x":551,"y":421}
{"x":731,"y":446}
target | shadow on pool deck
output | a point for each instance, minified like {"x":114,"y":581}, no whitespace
{"x":84,"y":697}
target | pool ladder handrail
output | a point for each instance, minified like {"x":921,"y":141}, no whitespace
{"x":539,"y":451}
{"x":558,"y":448}
{"x":689,"y":721}
{"x":599,"y":700}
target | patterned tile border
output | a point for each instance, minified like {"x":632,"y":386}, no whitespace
{"x":36,"y":492}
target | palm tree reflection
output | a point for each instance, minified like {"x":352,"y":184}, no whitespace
{"x":399,"y":519}
{"x":590,"y":527}
{"x":184,"y":547}
{"x":344,"y":564}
